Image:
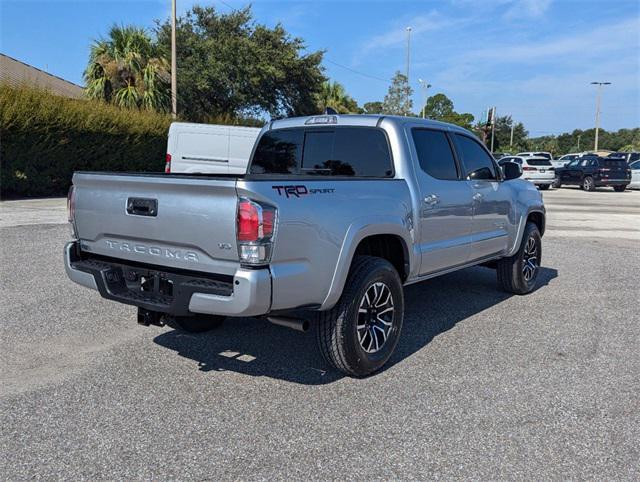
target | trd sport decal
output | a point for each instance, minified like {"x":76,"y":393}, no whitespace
{"x":300,"y":190}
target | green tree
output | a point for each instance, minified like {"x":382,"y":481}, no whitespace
{"x":502,"y":135}
{"x":127,"y":69}
{"x":398,"y":99}
{"x":375,"y":107}
{"x":440,"y":107}
{"x":228,"y":64}
{"x":334,"y":95}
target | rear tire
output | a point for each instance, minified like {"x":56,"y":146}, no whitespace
{"x":197,"y":323}
{"x":544,"y":187}
{"x":359,"y":334}
{"x":557,"y":183}
{"x":619,"y":188}
{"x":518,"y":273}
{"x":588,"y":184}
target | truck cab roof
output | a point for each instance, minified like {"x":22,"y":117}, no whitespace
{"x":354,"y":120}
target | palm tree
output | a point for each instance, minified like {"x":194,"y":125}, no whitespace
{"x":126,"y":69}
{"x":334,"y":95}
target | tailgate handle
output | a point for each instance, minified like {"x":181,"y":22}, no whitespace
{"x":140,"y":206}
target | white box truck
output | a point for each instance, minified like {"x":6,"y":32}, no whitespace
{"x":209,"y":148}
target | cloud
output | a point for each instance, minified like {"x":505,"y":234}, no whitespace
{"x":587,"y":43}
{"x":420,"y":24}
{"x":527,"y":9}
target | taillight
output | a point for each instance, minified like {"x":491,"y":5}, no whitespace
{"x":527,"y":168}
{"x":552,"y":169}
{"x":71,"y":204}
{"x":256,"y":225}
{"x":71,"y":210}
{"x":167,"y":164}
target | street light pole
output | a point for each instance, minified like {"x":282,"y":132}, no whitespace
{"x":408,"y":61}
{"x":598,"y":98}
{"x":174,"y":87}
{"x":425,"y":87}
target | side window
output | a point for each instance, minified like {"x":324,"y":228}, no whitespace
{"x":477,"y":163}
{"x":278,"y":152}
{"x":434,"y":154}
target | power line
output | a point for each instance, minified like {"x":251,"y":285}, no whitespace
{"x":358,"y":72}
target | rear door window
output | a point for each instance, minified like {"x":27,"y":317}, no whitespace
{"x":434,"y":154}
{"x":477,"y":162}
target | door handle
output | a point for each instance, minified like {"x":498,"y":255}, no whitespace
{"x":477,"y":196}
{"x":431,"y":199}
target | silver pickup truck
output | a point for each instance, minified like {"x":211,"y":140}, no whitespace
{"x":334,"y":216}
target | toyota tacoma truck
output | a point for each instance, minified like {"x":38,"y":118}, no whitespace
{"x":335,"y":214}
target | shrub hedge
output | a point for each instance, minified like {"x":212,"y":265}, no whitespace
{"x":45,"y":138}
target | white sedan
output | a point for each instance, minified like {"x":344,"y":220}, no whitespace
{"x":537,"y":170}
{"x":635,"y":175}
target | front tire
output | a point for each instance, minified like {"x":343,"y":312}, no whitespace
{"x":359,"y":334}
{"x":197,"y":323}
{"x":588,"y":184}
{"x":619,"y":188}
{"x":557,"y":183}
{"x":518,"y":273}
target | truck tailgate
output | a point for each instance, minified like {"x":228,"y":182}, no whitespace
{"x":182,"y":222}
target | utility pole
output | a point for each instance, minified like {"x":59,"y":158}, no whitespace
{"x":493,"y":126}
{"x":579,"y":136}
{"x":598,"y":97}
{"x":511,"y":140}
{"x":174,"y":86}
{"x":425,"y":87}
{"x":408,"y":61}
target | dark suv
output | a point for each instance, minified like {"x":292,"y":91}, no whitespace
{"x":590,"y":172}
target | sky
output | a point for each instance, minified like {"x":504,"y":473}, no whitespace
{"x":531,"y":59}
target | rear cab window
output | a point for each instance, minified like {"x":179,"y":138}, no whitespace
{"x":321,"y":151}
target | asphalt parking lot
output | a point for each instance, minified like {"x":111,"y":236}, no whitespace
{"x":483,"y":385}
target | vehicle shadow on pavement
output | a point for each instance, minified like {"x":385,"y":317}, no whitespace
{"x":257,"y":348}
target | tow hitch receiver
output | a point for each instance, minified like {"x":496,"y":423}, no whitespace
{"x":148,"y":317}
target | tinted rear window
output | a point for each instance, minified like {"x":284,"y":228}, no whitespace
{"x":538,"y":162}
{"x":279,"y":152}
{"x":614,"y":163}
{"x":338,"y":151}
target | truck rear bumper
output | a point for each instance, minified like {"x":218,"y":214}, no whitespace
{"x":246,"y":293}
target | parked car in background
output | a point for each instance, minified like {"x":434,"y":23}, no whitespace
{"x":635,"y":175}
{"x":546,"y":155}
{"x":629,"y":157}
{"x":564,"y":160}
{"x":500,"y":155}
{"x":590,"y":172}
{"x":538,"y":170}
{"x":209,"y":148}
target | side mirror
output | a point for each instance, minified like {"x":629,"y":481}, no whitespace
{"x":484,"y":173}
{"x":511,"y":170}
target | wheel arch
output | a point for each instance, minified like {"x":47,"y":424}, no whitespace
{"x":388,"y":238}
